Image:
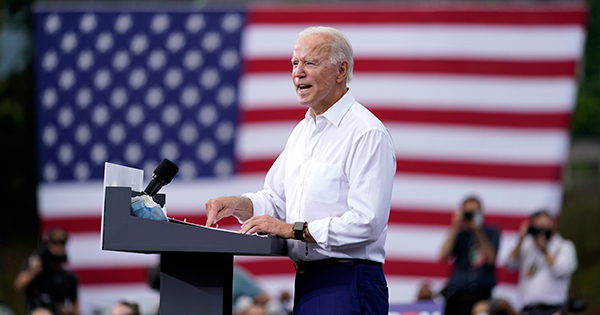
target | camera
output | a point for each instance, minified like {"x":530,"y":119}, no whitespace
{"x":468,"y":215}
{"x":535,"y":232}
{"x":49,"y":260}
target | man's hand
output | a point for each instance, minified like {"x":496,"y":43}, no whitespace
{"x":457,"y":218}
{"x":25,"y":277}
{"x":471,"y":225}
{"x":222,"y":207}
{"x":266,"y":224}
{"x":35,"y":265}
{"x":541,"y":241}
{"x":523,"y":228}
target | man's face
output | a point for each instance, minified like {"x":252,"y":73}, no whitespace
{"x":57,"y":247}
{"x":471,"y":206}
{"x":542,"y":222}
{"x":314,"y":76}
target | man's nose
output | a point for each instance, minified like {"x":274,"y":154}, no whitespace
{"x":299,"y":71}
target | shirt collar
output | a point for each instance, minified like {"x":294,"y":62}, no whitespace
{"x":336,"y":112}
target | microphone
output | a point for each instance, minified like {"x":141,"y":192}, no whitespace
{"x":163,"y":174}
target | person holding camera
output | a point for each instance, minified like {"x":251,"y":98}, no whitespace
{"x":473,"y":247}
{"x":545,"y":262}
{"x":44,"y":280}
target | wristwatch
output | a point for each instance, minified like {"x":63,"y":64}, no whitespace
{"x":298,"y":229}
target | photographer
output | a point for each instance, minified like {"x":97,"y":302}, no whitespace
{"x":44,"y":280}
{"x":473,"y":247}
{"x":545,"y":262}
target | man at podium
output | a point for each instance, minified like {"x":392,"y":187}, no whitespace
{"x":329,"y":192}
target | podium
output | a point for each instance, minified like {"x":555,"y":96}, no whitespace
{"x":196,"y":261}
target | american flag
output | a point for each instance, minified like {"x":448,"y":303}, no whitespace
{"x":477,"y":97}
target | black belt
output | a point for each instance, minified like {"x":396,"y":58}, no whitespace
{"x":313,"y":265}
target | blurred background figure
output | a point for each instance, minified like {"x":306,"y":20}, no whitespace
{"x":545,"y":262}
{"x":244,"y":285}
{"x":45,"y":281}
{"x":425,"y":293}
{"x":250,"y":299}
{"x":40,"y":310}
{"x":473,"y":247}
{"x":125,"y":308}
{"x":245,"y":305}
{"x":493,"y":307}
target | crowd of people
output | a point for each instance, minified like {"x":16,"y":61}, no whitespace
{"x":329,"y":195}
{"x":544,"y":260}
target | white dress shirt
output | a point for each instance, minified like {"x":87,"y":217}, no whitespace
{"x":336,"y":173}
{"x":540,"y":283}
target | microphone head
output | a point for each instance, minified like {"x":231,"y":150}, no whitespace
{"x":165,"y":171}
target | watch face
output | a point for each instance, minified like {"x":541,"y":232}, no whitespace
{"x":298,"y":229}
{"x":299,"y":226}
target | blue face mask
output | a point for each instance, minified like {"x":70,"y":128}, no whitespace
{"x":144,"y":207}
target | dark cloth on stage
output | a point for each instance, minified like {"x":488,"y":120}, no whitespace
{"x":340,"y":286}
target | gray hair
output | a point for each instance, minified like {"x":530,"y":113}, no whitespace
{"x":340,"y":46}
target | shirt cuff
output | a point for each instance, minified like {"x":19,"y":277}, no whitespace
{"x":319,"y":230}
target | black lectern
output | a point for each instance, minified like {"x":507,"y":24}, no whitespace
{"x":196,"y":262}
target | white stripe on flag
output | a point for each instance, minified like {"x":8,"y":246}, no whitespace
{"x":482,"y":93}
{"x":503,"y":197}
{"x":433,"y":40}
{"x":437,"y":142}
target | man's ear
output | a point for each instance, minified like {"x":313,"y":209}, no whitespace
{"x":342,"y":71}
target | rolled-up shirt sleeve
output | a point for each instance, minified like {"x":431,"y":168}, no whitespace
{"x":370,"y":174}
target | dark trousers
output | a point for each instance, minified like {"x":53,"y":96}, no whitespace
{"x":461,"y":303}
{"x":350,"y":288}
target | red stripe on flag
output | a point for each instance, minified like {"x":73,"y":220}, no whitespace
{"x":399,"y":14}
{"x":111,"y":275}
{"x":564,"y":68}
{"x":475,"y":118}
{"x":445,"y":168}
{"x":443,"y":218}
{"x":255,"y":165}
{"x":484,"y":170}
{"x":425,"y":116}
{"x":72,"y":224}
{"x":392,"y":267}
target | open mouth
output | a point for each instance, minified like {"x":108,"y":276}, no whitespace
{"x":303,"y":87}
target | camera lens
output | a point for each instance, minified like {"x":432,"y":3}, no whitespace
{"x":533,"y":231}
